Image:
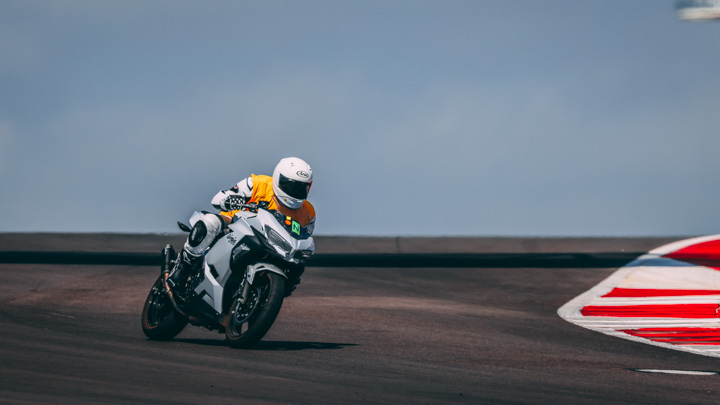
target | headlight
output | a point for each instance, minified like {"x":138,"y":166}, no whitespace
{"x":277,"y":240}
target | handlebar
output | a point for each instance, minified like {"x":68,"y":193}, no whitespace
{"x":252,"y":207}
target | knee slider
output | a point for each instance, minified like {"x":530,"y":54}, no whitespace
{"x":205,"y":231}
{"x":197,"y":234}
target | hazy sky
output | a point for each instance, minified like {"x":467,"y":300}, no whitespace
{"x":595,"y":117}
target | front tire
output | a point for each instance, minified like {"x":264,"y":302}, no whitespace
{"x":160,"y":320}
{"x":249,"y":322}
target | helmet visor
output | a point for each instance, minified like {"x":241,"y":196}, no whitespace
{"x":294,"y":188}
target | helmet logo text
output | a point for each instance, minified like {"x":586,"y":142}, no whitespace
{"x":303,"y":174}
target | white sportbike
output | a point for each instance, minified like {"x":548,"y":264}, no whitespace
{"x":243,"y":282}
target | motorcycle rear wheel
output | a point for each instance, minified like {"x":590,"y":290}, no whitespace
{"x":249,"y":322}
{"x":160,"y":320}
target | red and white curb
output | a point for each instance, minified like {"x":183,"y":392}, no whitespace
{"x":669,"y":297}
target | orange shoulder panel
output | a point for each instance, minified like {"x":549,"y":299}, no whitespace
{"x":310,"y":209}
{"x":262,"y":188}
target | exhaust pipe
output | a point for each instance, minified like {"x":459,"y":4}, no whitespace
{"x":165,"y":269}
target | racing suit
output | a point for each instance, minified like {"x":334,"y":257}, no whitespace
{"x":254,"y":189}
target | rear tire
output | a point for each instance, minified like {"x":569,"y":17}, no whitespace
{"x":160,"y":320}
{"x":249,"y":323}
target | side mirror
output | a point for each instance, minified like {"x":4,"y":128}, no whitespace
{"x":184,"y":227}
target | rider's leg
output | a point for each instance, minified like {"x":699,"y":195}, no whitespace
{"x":203,"y":234}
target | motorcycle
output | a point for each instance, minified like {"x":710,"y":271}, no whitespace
{"x":243,"y":283}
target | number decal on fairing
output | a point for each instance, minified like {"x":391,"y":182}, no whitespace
{"x":296,"y":227}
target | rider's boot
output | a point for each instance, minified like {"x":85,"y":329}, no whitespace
{"x":186,"y":266}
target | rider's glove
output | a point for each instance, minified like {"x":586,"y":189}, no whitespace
{"x":233,"y":202}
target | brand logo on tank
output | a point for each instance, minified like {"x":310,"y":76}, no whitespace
{"x":669,"y":297}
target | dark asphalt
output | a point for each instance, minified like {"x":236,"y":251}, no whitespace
{"x":71,"y":334}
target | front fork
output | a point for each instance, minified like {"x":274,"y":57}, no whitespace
{"x":245,"y":290}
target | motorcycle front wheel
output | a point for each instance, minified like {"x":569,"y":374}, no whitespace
{"x":248,"y":322}
{"x":160,"y":320}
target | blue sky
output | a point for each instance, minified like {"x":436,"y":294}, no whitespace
{"x":553,"y":118}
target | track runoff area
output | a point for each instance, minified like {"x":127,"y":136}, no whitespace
{"x":377,"y":320}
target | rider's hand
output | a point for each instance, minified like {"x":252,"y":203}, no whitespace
{"x":233,"y":202}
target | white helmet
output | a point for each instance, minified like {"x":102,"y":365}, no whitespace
{"x":292,"y":180}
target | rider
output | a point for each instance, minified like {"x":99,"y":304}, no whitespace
{"x":286,"y":191}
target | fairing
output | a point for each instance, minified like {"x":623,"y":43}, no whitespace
{"x":249,"y":233}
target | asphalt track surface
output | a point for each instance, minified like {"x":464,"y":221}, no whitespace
{"x":440,"y":335}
